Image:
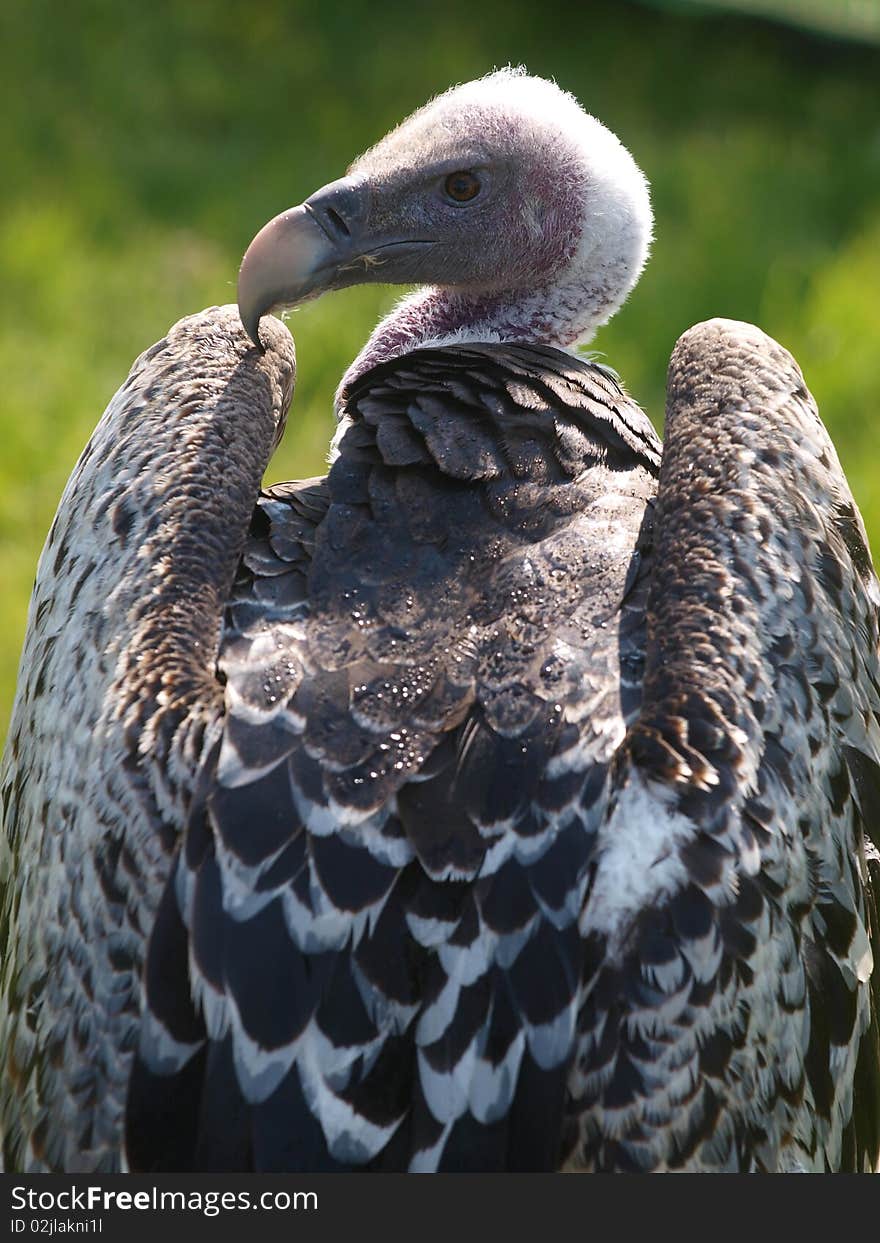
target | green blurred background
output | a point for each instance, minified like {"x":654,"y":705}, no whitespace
{"x":143,"y":144}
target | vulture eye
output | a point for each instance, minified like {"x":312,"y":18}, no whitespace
{"x":462,"y":186}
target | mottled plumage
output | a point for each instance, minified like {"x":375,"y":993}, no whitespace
{"x":505,"y":800}
{"x":396,"y":828}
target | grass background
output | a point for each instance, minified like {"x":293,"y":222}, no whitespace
{"x":142,"y":146}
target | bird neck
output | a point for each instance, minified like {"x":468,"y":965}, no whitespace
{"x":560,"y":314}
{"x":603,"y":263}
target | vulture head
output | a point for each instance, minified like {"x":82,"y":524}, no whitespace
{"x":523,"y":218}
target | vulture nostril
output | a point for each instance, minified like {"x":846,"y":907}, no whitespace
{"x":337,"y":223}
{"x":339,"y":209}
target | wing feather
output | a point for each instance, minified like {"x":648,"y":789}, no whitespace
{"x":731,"y":905}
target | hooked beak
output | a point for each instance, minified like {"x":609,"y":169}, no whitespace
{"x":325,"y":243}
{"x":283,"y":265}
{"x":302,"y":252}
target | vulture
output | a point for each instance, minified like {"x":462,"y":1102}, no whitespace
{"x":506,"y":798}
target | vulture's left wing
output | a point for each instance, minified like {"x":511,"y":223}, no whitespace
{"x":730,"y":1011}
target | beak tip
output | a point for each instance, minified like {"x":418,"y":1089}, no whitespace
{"x":250,"y":321}
{"x":251,"y":303}
{"x":282,"y":266}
